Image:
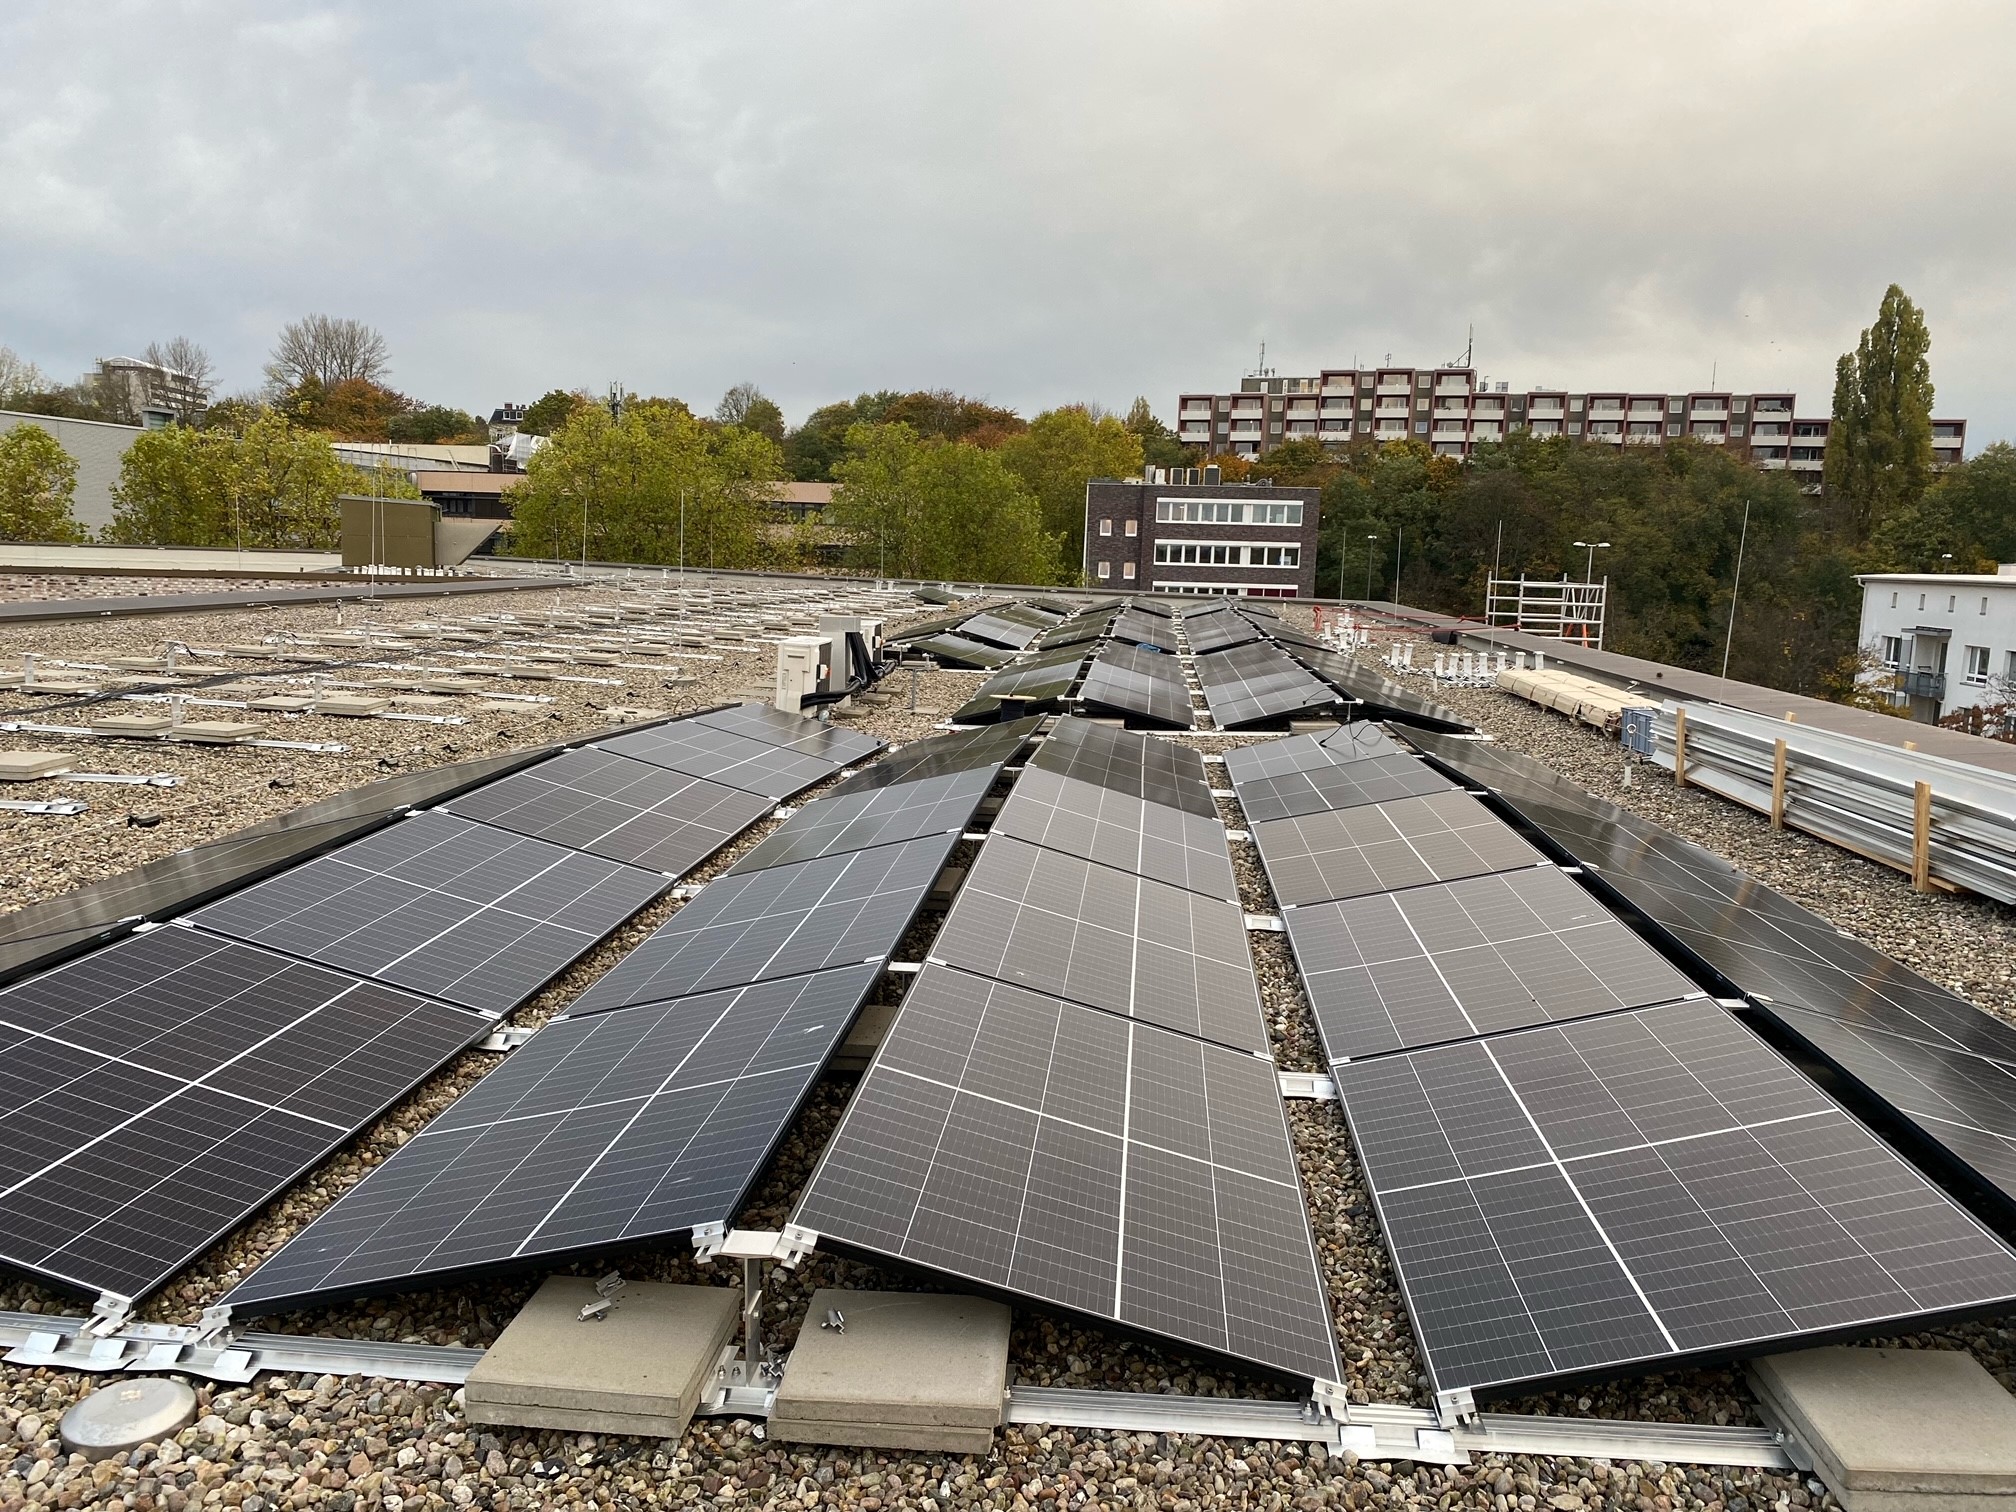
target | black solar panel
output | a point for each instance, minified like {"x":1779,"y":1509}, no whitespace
{"x":1251,"y":683}
{"x":447,"y":907}
{"x":1459,"y":959}
{"x":1378,"y":779}
{"x":1348,"y":853}
{"x":1138,"y":684}
{"x":1216,"y":630}
{"x":1304,"y":753}
{"x":1000,"y":629}
{"x":1135,"y":627}
{"x":1141,"y":765}
{"x":1108,"y":939}
{"x":794,"y":732}
{"x":1628,"y":1191}
{"x":840,"y":910}
{"x":600,"y":1130}
{"x":609,"y":805}
{"x":1036,"y":682}
{"x":725,"y":756}
{"x":1078,"y":631}
{"x":953,"y":650}
{"x":960,"y":751}
{"x":873,"y":816}
{"x":1056,"y":1152}
{"x":1381,"y":695}
{"x":1117,"y":829}
{"x":156,"y":1093}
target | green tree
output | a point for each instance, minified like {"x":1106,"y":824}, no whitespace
{"x":547,"y":414}
{"x":436,"y":425}
{"x":927,"y":508}
{"x":749,"y":407}
{"x":1879,"y":447}
{"x":1969,"y":513}
{"x":38,"y":480}
{"x":269,"y":485}
{"x":632,"y":481}
{"x":1062,"y":451}
{"x":811,"y":449}
{"x":1159,"y":446}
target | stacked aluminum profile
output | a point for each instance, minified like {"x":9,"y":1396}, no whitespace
{"x":1855,"y":793}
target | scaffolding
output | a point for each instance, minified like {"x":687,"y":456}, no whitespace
{"x":1562,"y":610}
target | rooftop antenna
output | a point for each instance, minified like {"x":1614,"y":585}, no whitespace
{"x":1714,"y":371}
{"x":1469,"y":348}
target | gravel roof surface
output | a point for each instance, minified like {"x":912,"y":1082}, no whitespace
{"x":357,"y":1442}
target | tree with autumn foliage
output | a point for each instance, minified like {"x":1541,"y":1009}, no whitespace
{"x":1063,"y":450}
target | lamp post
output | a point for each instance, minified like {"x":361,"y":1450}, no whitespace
{"x":1368,"y":566}
{"x":1589,"y":572}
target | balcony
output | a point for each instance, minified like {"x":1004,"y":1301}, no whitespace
{"x":1708,"y":412}
{"x":1396,"y":386}
{"x":1922,"y":684}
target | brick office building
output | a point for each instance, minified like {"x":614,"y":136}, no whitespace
{"x":1181,"y":530}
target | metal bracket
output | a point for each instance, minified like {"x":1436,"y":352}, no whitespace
{"x":1455,"y":1408}
{"x":63,"y":806}
{"x":1265,"y":924}
{"x":505,"y":1039}
{"x":903,"y":968}
{"x":109,"y":1314}
{"x":215,"y":1324}
{"x":1313,"y":1085}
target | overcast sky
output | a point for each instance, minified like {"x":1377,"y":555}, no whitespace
{"x":1035,"y":203}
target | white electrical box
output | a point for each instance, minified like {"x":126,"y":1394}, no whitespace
{"x":803,"y":665}
{"x":837,"y":627}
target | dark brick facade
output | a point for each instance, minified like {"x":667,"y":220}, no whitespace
{"x":1110,"y":506}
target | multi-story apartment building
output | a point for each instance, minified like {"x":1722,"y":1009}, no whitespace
{"x":1180,"y":530}
{"x":1453,"y":410}
{"x":1945,"y":640}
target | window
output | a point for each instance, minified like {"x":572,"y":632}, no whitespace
{"x":1105,"y":527}
{"x":1984,"y":603}
{"x":1127,"y":570}
{"x":1225,"y":512}
{"x":1672,"y":430}
{"x":1133,"y":528}
{"x":2009,"y":666}
{"x":1893,"y":651}
{"x":1893,"y":601}
{"x":1105,"y":569}
{"x":1274,"y":556}
{"x":1976,"y":668}
{"x":1921,"y":601}
{"x":1952,"y":602}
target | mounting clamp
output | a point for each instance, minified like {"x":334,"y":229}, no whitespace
{"x":1454,"y":1408}
{"x":109,"y":1314}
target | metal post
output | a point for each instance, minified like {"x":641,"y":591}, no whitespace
{"x":1368,"y":566}
{"x":1399,"y":540}
{"x":1921,"y":837}
{"x":1734,"y":589}
{"x":752,"y":1321}
{"x":1778,"y":772}
{"x":916,"y":675}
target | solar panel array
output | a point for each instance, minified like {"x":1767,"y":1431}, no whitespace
{"x":1035,"y":682}
{"x":1012,"y":625}
{"x":1139,"y":684}
{"x":955,"y":650}
{"x":1075,"y":1102}
{"x":1579,"y":1162}
{"x":652,"y":1106}
{"x":159,"y":1090}
{"x":1904,"y":1042}
{"x":1255,"y":682}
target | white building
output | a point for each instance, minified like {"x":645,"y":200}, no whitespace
{"x":1946,"y":640}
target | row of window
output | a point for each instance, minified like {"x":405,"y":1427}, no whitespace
{"x":1225,"y":512}
{"x":1952,"y":602}
{"x":1225,"y":554}
{"x":1133,"y":527}
{"x":1976,"y":662}
{"x":1126,"y":570}
{"x":1230,"y":590}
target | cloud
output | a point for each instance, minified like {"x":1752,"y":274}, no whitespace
{"x":1035,"y":203}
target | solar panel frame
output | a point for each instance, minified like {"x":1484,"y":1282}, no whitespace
{"x":1541,"y":1231}
{"x":443,"y":906}
{"x":725,"y":756}
{"x":609,"y":1129}
{"x":1347,"y":853}
{"x":1456,"y":960}
{"x":787,"y":920}
{"x":1033,"y":1145}
{"x":1118,"y":829}
{"x":1071,"y":928}
{"x":612,"y":806}
{"x":158,"y":1092}
{"x":866,"y":818}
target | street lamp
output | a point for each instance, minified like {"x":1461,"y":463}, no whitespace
{"x":1589,"y":572}
{"x":1368,"y":566}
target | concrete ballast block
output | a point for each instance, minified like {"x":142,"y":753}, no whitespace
{"x":1895,"y":1430}
{"x":641,"y":1370}
{"x":30,"y":766}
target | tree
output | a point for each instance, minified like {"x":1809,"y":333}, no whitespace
{"x":928,"y":508}
{"x":18,"y":376}
{"x":351,"y":409}
{"x":182,"y":355}
{"x":747,"y":406}
{"x":1970,"y":512}
{"x":811,"y":450}
{"x":1879,"y":447}
{"x":946,"y":416}
{"x":630,"y":485}
{"x":1159,"y":446}
{"x":270,"y":485}
{"x":546,"y":415}
{"x":1062,"y":451}
{"x":436,"y":425}
{"x":38,"y":480}
{"x":326,"y":350}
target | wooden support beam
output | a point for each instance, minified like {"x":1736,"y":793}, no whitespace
{"x":1778,"y":764}
{"x":1679,"y":748}
{"x":1921,"y":837}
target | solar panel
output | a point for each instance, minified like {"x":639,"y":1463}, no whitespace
{"x":1134,"y":627}
{"x":1078,"y":631}
{"x":447,"y":907}
{"x":1384,"y":697}
{"x":873,"y":816}
{"x":1039,"y":681}
{"x":963,"y":652}
{"x":959,"y":751}
{"x":1140,"y":684}
{"x":610,"y":805}
{"x":1108,"y":939}
{"x":1377,"y":779}
{"x":1118,"y":829}
{"x":1157,"y":770}
{"x":726,"y":756}
{"x":1053,"y":1151}
{"x":600,"y":1130}
{"x":1250,"y":683}
{"x":1350,"y":852}
{"x":1635,"y":1190}
{"x":1000,"y":629}
{"x":1304,"y":753}
{"x":1459,"y":959}
{"x":156,"y":1093}
{"x":1217,"y":631}
{"x":794,"y":732}
{"x":839,"y":910}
